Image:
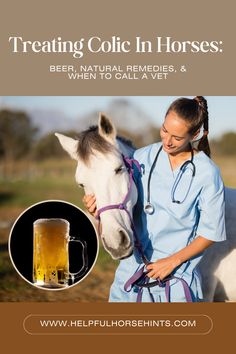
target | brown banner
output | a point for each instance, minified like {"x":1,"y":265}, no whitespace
{"x":121,"y":49}
{"x":62,"y":325}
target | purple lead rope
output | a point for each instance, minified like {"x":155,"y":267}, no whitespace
{"x":139,"y":278}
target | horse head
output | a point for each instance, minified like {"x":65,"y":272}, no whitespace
{"x":101,"y":171}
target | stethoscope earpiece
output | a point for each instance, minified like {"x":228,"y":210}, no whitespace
{"x":176,"y":201}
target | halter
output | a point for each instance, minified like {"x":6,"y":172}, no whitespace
{"x":139,"y":278}
{"x":123,"y":205}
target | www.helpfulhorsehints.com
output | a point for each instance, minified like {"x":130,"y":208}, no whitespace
{"x":117,"y":72}
{"x":114,"y":324}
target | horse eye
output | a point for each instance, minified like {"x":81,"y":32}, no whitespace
{"x":119,"y":169}
{"x":81,"y":185}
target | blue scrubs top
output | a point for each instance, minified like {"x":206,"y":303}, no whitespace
{"x":173,"y":226}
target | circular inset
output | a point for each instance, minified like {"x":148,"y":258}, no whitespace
{"x":53,"y":245}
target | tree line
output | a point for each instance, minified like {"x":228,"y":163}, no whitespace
{"x":19,"y":139}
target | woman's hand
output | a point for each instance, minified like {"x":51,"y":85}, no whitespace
{"x":162,"y":268}
{"x":89,"y":201}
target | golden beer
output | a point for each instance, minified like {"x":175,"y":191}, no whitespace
{"x":50,"y":256}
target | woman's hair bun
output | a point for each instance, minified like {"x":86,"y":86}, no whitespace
{"x":202,"y":102}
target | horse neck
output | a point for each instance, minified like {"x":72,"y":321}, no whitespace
{"x":124,"y":148}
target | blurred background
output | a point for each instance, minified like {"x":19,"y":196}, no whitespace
{"x":33,"y":167}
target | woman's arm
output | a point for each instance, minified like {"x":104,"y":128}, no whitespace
{"x":163,"y":267}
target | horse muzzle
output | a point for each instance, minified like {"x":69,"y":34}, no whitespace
{"x":123,"y":247}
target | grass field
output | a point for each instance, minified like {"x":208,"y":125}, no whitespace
{"x":28,"y":183}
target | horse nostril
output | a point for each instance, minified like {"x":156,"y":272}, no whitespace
{"x":119,"y":253}
{"x":124,"y":239}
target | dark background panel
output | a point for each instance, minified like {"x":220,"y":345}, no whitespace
{"x":21,"y":241}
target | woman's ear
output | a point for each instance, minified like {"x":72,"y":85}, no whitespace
{"x":195,"y":137}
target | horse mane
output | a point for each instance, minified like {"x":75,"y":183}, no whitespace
{"x":90,"y":140}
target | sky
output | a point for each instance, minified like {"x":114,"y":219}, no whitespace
{"x":222,"y":109}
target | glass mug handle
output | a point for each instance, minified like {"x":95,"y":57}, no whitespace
{"x":84,"y":267}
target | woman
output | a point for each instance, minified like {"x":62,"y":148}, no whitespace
{"x":185,"y":207}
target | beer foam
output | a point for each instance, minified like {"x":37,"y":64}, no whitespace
{"x":51,"y":221}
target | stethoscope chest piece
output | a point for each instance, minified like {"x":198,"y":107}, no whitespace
{"x":149,"y":209}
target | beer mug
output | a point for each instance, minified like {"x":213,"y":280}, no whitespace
{"x":51,"y":254}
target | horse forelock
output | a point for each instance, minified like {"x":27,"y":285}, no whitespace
{"x":89,"y":141}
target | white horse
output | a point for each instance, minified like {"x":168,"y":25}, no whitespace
{"x":218,"y":266}
{"x":101,"y":171}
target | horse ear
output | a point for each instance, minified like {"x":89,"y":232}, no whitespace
{"x":106,"y":128}
{"x":69,"y":145}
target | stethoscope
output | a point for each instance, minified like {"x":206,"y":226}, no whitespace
{"x":149,"y":207}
